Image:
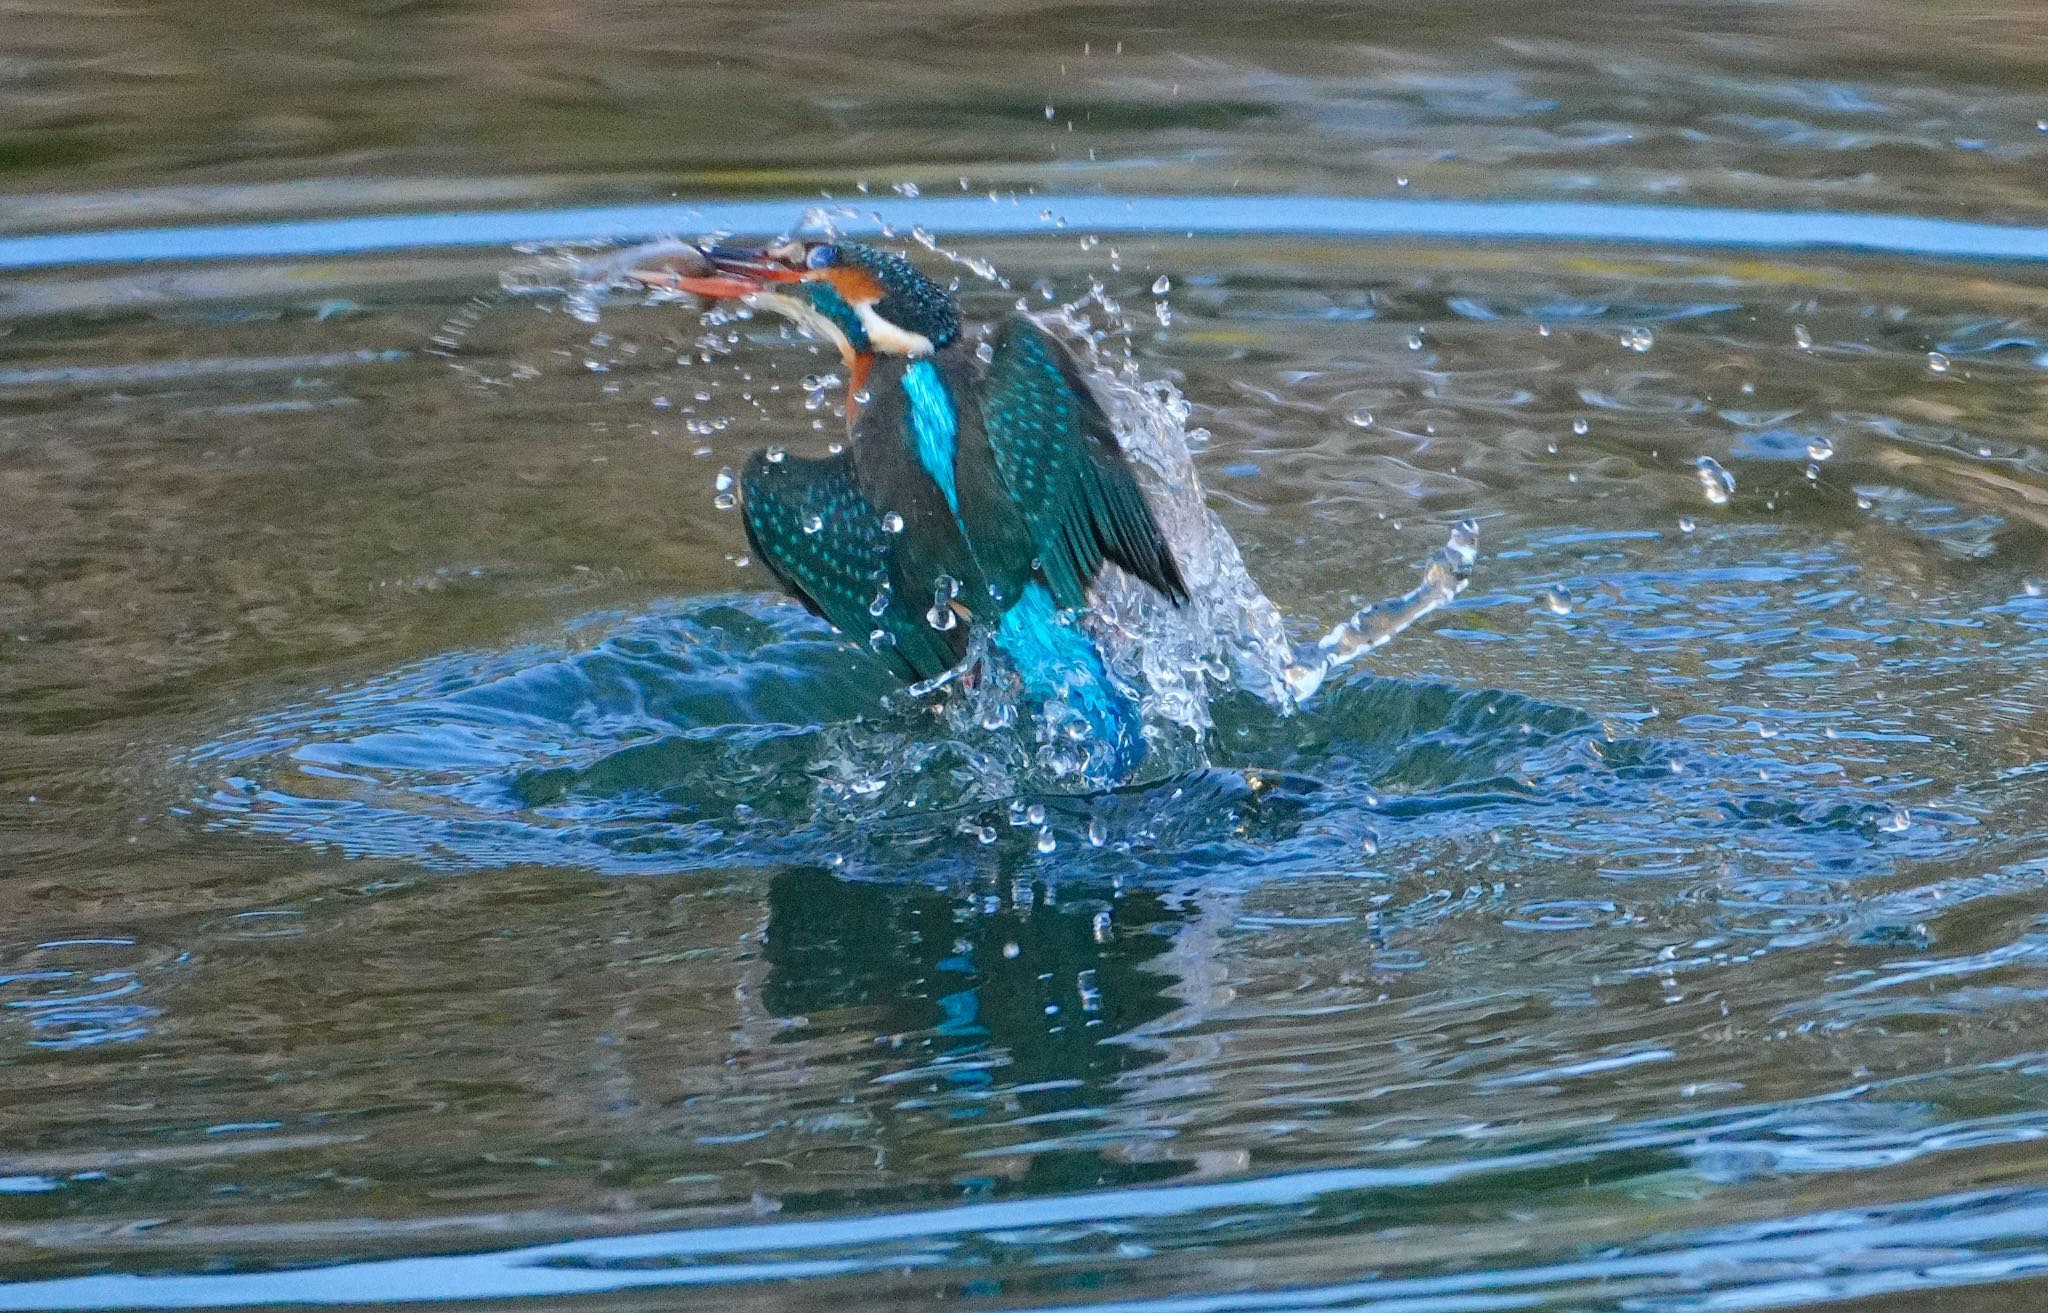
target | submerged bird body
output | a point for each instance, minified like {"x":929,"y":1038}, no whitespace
{"x":981,"y":491}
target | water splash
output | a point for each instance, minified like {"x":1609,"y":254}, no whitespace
{"x":738,"y":731}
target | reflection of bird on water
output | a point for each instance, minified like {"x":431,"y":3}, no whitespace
{"x":981,"y":494}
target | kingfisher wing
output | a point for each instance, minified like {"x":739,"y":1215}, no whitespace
{"x":818,"y":530}
{"x":1057,"y":452}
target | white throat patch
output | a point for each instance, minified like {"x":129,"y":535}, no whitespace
{"x":888,"y":339}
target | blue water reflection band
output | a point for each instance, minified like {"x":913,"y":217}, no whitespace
{"x":1207,"y":216}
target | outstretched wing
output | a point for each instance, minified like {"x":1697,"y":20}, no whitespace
{"x":818,"y":531}
{"x":1058,"y":454}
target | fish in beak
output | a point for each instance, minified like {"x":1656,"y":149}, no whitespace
{"x":718,"y":272}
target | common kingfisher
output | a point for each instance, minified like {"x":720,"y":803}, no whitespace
{"x":980,"y":492}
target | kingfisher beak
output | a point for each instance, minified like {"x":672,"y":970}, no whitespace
{"x":720,"y":272}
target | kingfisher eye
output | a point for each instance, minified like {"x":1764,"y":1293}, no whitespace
{"x":821,"y":256}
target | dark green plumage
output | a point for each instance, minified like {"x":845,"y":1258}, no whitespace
{"x":1058,"y":456}
{"x":823,"y":527}
{"x":1040,"y":494}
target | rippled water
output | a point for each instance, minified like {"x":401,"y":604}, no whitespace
{"x":436,"y":869}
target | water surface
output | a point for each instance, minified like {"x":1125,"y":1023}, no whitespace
{"x":437,"y":869}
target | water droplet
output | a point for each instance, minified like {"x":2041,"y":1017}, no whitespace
{"x":724,"y":481}
{"x":880,"y":604}
{"x":1161,"y":285}
{"x":725,"y":501}
{"x":1098,"y":834}
{"x":1819,"y":449}
{"x":1802,"y":337}
{"x":1543,"y":330}
{"x":1715,"y":481}
{"x":1369,"y":845}
{"x":1638,"y":339}
{"x":775,"y":455}
{"x":892,"y":522}
{"x":1360,"y":418}
{"x":1559,"y":599}
{"x":1813,"y":474}
{"x":1685,"y":524}
{"x":1401,"y":181}
{"x":1046,"y":843}
{"x":1035,"y":813}
{"x":1937,"y":362}
{"x":985,"y":352}
{"x":904,"y":188}
{"x":941,"y":617}
{"x":881,"y":638}
{"x":813,"y":523}
{"x":1579,"y":427}
{"x":1048,"y":113}
{"x":1862,"y":503}
{"x":2032,"y":587}
{"x":1415,"y":341}
{"x":1898,"y":821}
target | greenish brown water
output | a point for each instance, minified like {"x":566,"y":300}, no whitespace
{"x":420,"y":837}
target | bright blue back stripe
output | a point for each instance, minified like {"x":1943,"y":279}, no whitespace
{"x":936,"y":425}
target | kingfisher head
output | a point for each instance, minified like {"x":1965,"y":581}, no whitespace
{"x":864,"y":300}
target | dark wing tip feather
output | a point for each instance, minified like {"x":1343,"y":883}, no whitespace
{"x":1058,"y":451}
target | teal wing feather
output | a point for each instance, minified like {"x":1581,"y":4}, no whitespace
{"x":814,"y":525}
{"x":1058,"y":455}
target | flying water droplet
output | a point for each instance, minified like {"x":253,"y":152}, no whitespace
{"x":1098,"y":834}
{"x":1685,"y":524}
{"x":892,"y":523}
{"x":775,"y":455}
{"x":1415,"y":341}
{"x":1897,"y":822}
{"x":724,"y":481}
{"x":725,"y":501}
{"x":1813,"y":474}
{"x":1161,"y":285}
{"x":1937,"y":362}
{"x":1579,"y":427}
{"x":1715,"y":481}
{"x":1638,"y":339}
{"x":1360,"y":418}
{"x":880,"y":605}
{"x":985,"y":352}
{"x":1559,"y":599}
{"x":1819,"y":449}
{"x":1046,"y":843}
{"x":1802,"y":337}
